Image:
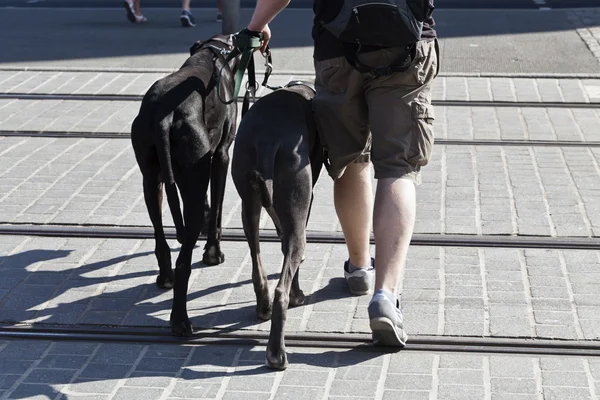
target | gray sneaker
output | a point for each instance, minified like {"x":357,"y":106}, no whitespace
{"x":361,"y":280}
{"x":386,"y":320}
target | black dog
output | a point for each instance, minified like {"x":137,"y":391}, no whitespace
{"x":277,"y":159}
{"x":181,"y":137}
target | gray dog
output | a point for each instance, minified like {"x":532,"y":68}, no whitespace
{"x":276,"y":161}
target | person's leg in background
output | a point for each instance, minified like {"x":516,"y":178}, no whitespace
{"x":219,"y":11}
{"x":186,"y":17}
{"x":134,"y":11}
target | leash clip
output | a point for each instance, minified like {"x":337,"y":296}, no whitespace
{"x":252,"y":90}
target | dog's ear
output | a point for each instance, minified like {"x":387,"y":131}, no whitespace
{"x":196,"y":46}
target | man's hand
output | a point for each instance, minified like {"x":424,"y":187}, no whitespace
{"x":264,"y":13}
{"x":266,"y":35}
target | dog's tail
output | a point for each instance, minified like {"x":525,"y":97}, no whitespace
{"x":261,"y":178}
{"x":163,"y":149}
{"x":264,"y":187}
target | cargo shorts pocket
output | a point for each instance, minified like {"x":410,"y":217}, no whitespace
{"x":331,"y":76}
{"x":422,"y":138}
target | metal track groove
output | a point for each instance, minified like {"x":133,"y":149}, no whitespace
{"x":237,"y":235}
{"x":446,"y":103}
{"x":314,"y":340}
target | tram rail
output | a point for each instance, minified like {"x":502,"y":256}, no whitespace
{"x":318,"y":237}
{"x":445,"y":103}
{"x":494,"y":345}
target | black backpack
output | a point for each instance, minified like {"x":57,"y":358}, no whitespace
{"x":380,"y":23}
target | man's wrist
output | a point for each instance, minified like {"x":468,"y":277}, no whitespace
{"x":255,"y":28}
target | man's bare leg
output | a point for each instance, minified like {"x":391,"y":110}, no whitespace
{"x":353,"y":198}
{"x":393,"y":221}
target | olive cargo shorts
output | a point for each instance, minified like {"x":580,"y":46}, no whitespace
{"x":384,"y":119}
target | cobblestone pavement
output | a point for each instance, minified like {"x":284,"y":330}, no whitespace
{"x":546,"y":191}
{"x":445,"y":87}
{"x":445,"y":291}
{"x":474,"y":292}
{"x":51,"y":370}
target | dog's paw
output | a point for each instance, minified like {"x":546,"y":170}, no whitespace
{"x":264,"y":312}
{"x":213,"y":256}
{"x":297,"y":299}
{"x":182,"y":328}
{"x":165,"y":281}
{"x":277,"y":360}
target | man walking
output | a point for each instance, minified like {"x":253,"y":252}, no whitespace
{"x":374,"y":63}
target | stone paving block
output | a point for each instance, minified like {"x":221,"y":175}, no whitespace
{"x":24,"y":350}
{"x":465,"y":377}
{"x":460,"y":392}
{"x":137,"y":393}
{"x":561,"y":364}
{"x":351,"y":388}
{"x":502,"y":367}
{"x":7,"y":380}
{"x":163,"y":365}
{"x":557,"y":331}
{"x":513,"y":385}
{"x":408,"y":382}
{"x":232,"y":395}
{"x":95,"y":371}
{"x":407,"y":363}
{"x":564,"y":378}
{"x":463,"y":362}
{"x":63,"y":361}
{"x":513,"y":396}
{"x":559,"y":393}
{"x":86,"y":386}
{"x":148,"y":380}
{"x":73,"y":348}
{"x":50,"y":376}
{"x":10,"y":367}
{"x":405,"y":395}
{"x":117,"y":354}
{"x":195,"y":390}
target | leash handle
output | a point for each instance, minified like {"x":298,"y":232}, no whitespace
{"x":244,"y":43}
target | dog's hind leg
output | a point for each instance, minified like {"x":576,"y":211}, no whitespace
{"x":218,"y":178}
{"x":251,"y":208}
{"x":193,"y":189}
{"x":153,"y":199}
{"x":294,"y":244}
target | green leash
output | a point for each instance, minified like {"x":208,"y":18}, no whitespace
{"x":244,"y":43}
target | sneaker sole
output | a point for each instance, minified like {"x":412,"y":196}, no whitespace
{"x":358,"y":292}
{"x":130,"y":14}
{"x":185,"y":21}
{"x":385,"y":333}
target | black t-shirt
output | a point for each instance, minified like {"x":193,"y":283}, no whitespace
{"x":328,"y":46}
